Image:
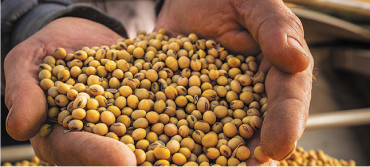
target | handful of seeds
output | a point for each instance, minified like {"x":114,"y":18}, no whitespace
{"x":183,"y":101}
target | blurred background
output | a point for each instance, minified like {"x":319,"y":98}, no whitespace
{"x":338,"y":34}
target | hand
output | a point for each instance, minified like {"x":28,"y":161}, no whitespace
{"x":265,"y":28}
{"x":27,"y":102}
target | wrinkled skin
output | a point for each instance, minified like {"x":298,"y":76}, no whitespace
{"x":27,"y":102}
{"x":266,"y":29}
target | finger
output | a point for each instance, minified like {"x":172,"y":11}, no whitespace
{"x":24,"y":98}
{"x":278,"y":32}
{"x":264,"y":65}
{"x":81,"y":148}
{"x":241,"y":42}
{"x":252,"y":144}
{"x":289,"y":97}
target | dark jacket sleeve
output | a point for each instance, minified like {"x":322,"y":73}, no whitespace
{"x":22,"y":18}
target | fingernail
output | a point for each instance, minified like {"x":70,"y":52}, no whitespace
{"x":293,"y":43}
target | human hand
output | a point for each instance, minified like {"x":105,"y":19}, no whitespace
{"x":265,"y":28}
{"x":27,"y":104}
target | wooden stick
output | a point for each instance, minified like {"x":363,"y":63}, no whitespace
{"x":339,"y":119}
{"x":16,"y":153}
{"x":349,"y":6}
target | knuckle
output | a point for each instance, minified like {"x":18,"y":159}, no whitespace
{"x":295,"y":24}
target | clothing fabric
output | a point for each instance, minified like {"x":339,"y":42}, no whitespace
{"x":22,"y":18}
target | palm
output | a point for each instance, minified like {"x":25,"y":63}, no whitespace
{"x":27,"y":113}
{"x":210,"y":20}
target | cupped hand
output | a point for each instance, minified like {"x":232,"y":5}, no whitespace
{"x":242,"y":26}
{"x":27,"y":104}
{"x":265,"y":28}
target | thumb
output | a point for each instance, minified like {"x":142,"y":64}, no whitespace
{"x":278,"y":32}
{"x":26,"y":113}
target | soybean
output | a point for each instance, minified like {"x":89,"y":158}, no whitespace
{"x":188,"y":93}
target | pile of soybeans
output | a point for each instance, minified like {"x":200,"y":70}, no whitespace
{"x":173,"y":101}
{"x":300,"y":157}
